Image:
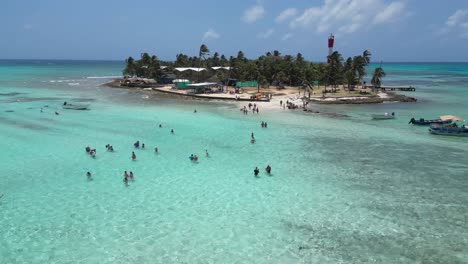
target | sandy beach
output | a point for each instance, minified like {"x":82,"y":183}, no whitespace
{"x":292,"y":95}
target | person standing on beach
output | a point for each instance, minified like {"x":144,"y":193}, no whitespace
{"x":281,"y":102}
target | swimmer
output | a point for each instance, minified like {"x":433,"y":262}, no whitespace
{"x":206,"y":151}
{"x":266,"y":125}
{"x":252,"y":135}
{"x":125,"y":174}
{"x":41,"y":110}
{"x":133,"y":156}
{"x":125,"y":180}
{"x":57,"y":113}
{"x":131,"y":176}
{"x":137,"y":144}
{"x":88,"y":174}
{"x":195,"y":111}
{"x":263,"y":124}
{"x":195,"y":157}
{"x":252,"y":140}
{"x":172,"y":131}
{"x":191,"y":157}
{"x":88,"y":149}
{"x":111,"y":148}
{"x":268,"y":169}
{"x":256,"y":171}
{"x":143,"y":145}
{"x":160,"y":125}
{"x":156,"y":149}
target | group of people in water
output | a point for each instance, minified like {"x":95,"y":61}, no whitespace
{"x":267,"y":169}
{"x":109,"y":147}
{"x":127,"y":176}
{"x":253,"y":106}
{"x":90,"y":151}
{"x":193,"y":157}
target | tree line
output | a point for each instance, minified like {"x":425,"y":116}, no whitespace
{"x":270,"y":68}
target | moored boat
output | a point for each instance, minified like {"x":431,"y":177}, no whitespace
{"x":383,"y":116}
{"x":452,"y":129}
{"x":425,"y":122}
{"x":75,"y":106}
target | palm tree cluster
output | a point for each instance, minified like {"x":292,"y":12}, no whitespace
{"x":267,"y":69}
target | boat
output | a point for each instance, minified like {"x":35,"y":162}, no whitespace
{"x":383,"y":116}
{"x":75,"y":106}
{"x":426,"y":122}
{"x":452,"y":129}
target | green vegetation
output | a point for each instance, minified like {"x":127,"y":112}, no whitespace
{"x":273,"y":68}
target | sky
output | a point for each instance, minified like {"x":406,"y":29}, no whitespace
{"x":393,"y":30}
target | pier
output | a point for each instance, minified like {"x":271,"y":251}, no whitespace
{"x":395,"y":88}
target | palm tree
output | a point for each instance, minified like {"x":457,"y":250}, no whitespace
{"x":130,"y":68}
{"x":366,"y":55}
{"x":203,"y":51}
{"x":379,"y":73}
{"x":335,"y":68}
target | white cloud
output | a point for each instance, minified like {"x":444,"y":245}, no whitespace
{"x":348,"y":16}
{"x":266,"y":34}
{"x":287,"y":36}
{"x":456,"y":18}
{"x":210,"y":34}
{"x":286,"y":14}
{"x":253,"y":14}
{"x":389,"y":13}
{"x":455,"y":23}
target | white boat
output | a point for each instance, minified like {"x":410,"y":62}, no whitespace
{"x":383,"y":116}
{"x":75,"y":106}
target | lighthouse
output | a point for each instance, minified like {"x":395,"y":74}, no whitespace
{"x":331,"y":42}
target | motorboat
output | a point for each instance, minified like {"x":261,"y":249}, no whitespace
{"x":452,"y":129}
{"x":449,"y":130}
{"x":427,"y":122}
{"x":75,"y":106}
{"x":383,"y":116}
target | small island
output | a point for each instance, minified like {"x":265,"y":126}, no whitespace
{"x":270,"y":77}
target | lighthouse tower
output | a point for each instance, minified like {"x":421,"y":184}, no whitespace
{"x":331,"y":42}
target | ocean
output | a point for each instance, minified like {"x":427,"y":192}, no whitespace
{"x":343,"y":189}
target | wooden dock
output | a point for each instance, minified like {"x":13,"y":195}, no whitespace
{"x":395,"y":88}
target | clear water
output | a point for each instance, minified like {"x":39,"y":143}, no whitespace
{"x":343,"y":189}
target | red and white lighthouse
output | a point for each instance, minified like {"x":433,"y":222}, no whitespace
{"x":331,"y":42}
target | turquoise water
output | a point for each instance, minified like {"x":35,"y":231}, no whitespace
{"x":343,"y":189}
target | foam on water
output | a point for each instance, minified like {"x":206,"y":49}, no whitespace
{"x":343,"y":190}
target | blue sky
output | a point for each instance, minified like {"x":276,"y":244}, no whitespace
{"x":393,"y":30}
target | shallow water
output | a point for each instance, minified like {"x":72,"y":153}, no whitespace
{"x":343,"y":190}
